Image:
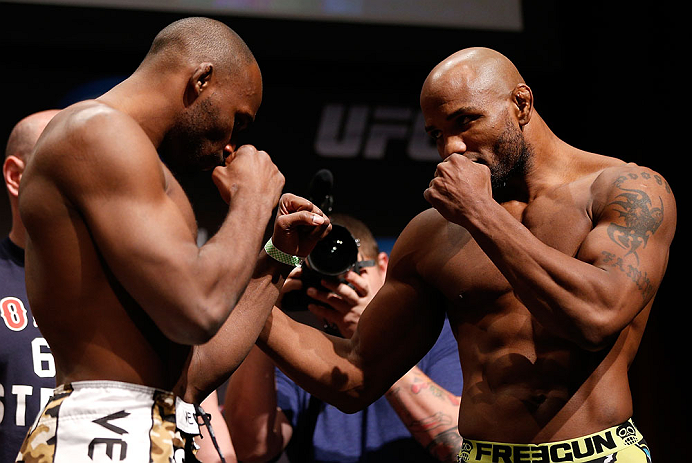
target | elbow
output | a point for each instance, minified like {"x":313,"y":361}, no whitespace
{"x":349,"y":408}
{"x":197,"y":324}
{"x":347,"y":400}
{"x":600,"y":316}
{"x":353,"y":401}
{"x":359,"y":388}
{"x":599,"y":333}
{"x":594,"y":342}
{"x":196,"y":334}
{"x":188,"y":334}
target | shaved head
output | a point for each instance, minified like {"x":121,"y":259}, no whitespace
{"x":481,"y":69}
{"x":24,"y":135}
{"x":20,"y":145}
{"x":476,"y":104}
{"x":207,"y":71}
{"x":199,"y":39}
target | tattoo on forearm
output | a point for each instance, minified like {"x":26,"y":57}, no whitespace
{"x":437,"y":391}
{"x":446,"y":445}
{"x":641,"y":218}
{"x":431,"y":422}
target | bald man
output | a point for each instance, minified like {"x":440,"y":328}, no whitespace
{"x":27,"y":369}
{"x":128,"y":302}
{"x":545,"y":258}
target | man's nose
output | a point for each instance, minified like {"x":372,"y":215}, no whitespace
{"x":452,"y":144}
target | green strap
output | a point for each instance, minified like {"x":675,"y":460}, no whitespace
{"x":279,"y":255}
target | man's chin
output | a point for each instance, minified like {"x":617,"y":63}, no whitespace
{"x":191,"y":165}
{"x":208,"y":163}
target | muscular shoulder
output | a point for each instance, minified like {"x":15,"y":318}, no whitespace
{"x":91,"y":143}
{"x":427,"y":236}
{"x":632,"y":172}
{"x":420,"y":230}
{"x":90,"y":129}
{"x":630,"y":178}
{"x":634,"y":191}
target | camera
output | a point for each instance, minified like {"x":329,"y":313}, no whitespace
{"x":331,"y":257}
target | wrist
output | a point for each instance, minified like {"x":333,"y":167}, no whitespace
{"x":280,"y":256}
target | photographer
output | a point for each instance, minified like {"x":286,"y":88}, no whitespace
{"x":416,"y":420}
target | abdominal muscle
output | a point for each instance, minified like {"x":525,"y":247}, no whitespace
{"x":522,"y":385}
{"x":110,"y":345}
{"x":96,"y":331}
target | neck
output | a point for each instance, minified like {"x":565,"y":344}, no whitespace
{"x":549,"y":162}
{"x":18,"y":236}
{"x":17,"y":231}
{"x":147,"y":101}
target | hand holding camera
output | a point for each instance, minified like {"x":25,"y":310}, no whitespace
{"x":329,"y":283}
{"x":331,"y":260}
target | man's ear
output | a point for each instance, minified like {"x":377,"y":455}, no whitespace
{"x":198,"y":82}
{"x":383,"y":261}
{"x":12,"y":170}
{"x":522,"y":97}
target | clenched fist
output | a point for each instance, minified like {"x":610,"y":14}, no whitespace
{"x":249,"y":171}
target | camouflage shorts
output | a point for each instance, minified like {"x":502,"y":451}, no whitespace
{"x":109,"y":421}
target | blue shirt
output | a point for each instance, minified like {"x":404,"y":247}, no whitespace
{"x":27,"y":369}
{"x":375,"y":434}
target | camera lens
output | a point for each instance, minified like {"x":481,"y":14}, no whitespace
{"x":335,"y":254}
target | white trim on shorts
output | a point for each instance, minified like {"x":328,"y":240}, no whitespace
{"x":110,"y":421}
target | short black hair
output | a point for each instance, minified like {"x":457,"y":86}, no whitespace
{"x":200,"y":39}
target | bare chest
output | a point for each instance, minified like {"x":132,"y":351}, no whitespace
{"x":460,"y":269}
{"x":176,"y":193}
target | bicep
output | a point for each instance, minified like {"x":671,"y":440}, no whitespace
{"x":134,"y":222}
{"x":138,"y":231}
{"x":631,"y":238}
{"x":143,"y":238}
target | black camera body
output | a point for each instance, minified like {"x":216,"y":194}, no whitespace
{"x":331,"y":257}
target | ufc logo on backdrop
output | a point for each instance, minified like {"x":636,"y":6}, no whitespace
{"x":349,"y":131}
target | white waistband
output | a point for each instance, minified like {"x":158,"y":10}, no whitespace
{"x":107,"y":384}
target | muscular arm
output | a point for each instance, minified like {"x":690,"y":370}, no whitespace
{"x":429,"y":412}
{"x":298,"y":226}
{"x":403,"y":319}
{"x":211,"y":363}
{"x":144,"y":237}
{"x":590,"y":297}
{"x":415,"y":397}
{"x":262,"y":431}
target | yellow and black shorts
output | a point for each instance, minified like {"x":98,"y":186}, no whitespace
{"x":619,"y":444}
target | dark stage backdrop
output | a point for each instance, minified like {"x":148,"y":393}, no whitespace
{"x":344,"y":96}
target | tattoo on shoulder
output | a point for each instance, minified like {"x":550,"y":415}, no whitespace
{"x":641,"y":217}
